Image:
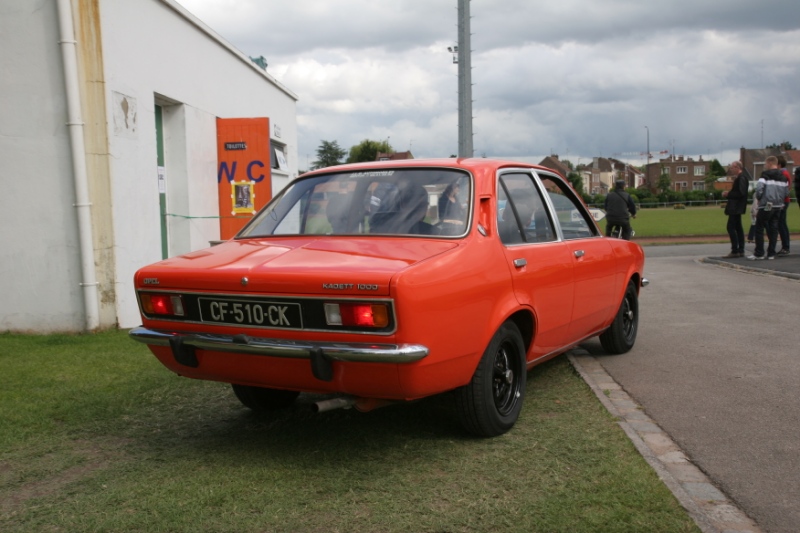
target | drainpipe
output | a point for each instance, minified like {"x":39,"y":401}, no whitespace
{"x":82,"y":203}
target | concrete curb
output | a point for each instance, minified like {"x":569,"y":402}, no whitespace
{"x":747,"y":268}
{"x":711,"y":510}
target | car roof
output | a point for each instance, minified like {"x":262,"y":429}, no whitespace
{"x":472,"y":164}
{"x":483,"y":169}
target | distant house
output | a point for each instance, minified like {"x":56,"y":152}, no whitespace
{"x":753,"y":159}
{"x":598,"y":176}
{"x":633,"y":177}
{"x":793,"y":159}
{"x":393,"y":156}
{"x":686,"y":174}
{"x":554,"y":163}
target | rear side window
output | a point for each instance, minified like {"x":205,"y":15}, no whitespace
{"x":575,"y":220}
{"x":522,"y":215}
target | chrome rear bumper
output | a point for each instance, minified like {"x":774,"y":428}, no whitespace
{"x":360,"y":352}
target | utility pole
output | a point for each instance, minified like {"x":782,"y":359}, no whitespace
{"x":464,"y":82}
{"x":647,"y":166}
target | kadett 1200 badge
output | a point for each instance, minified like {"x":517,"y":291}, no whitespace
{"x":392,"y":281}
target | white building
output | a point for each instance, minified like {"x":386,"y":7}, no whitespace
{"x":81,"y":86}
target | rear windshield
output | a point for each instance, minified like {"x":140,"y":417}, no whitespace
{"x":386,"y":202}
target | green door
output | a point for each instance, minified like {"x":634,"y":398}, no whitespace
{"x":162,"y":182}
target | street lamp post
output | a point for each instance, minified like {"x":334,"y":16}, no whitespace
{"x":647,"y":166}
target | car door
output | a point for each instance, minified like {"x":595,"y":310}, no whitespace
{"x":541,"y":266}
{"x":593,"y":260}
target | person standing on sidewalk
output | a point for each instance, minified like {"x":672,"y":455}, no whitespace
{"x":736,"y":207}
{"x":771,"y":190}
{"x":797,"y":184}
{"x":783,"y":226}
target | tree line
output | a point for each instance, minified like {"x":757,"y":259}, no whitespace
{"x":331,"y":154}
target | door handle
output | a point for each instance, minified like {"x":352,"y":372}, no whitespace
{"x":519,"y":263}
{"x":579,"y":253}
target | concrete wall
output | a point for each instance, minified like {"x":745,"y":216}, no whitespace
{"x":132,"y":55}
{"x":39,"y":267}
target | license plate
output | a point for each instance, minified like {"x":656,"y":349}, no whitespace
{"x":251,"y":313}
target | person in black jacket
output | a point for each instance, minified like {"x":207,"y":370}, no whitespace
{"x":736,"y":207}
{"x":619,"y":208}
{"x":797,"y":184}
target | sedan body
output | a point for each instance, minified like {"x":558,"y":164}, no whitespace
{"x":393,"y":281}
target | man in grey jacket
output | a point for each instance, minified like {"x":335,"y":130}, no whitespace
{"x":771,"y":190}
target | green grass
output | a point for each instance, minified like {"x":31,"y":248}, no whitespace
{"x":669,"y":222}
{"x":96,"y":436}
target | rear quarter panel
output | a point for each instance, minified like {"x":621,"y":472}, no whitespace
{"x":629,"y":257}
{"x":452,"y":303}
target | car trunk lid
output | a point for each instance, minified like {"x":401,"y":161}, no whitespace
{"x":344,"y":266}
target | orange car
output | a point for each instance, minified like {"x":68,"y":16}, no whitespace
{"x":393,"y":281}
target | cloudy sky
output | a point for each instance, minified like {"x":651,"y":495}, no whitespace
{"x":579,"y":78}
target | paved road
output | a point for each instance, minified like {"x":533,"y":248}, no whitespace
{"x":717,"y":366}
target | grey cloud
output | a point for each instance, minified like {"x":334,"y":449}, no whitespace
{"x":574,"y":76}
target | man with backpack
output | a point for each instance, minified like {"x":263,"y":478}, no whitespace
{"x":619,"y":208}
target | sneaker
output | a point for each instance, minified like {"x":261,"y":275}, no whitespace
{"x":732,"y":255}
{"x":756,"y":257}
{"x":783,"y":251}
{"x":768,"y":257}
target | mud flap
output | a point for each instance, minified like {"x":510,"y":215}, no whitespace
{"x":183,"y":353}
{"x":321,"y":365}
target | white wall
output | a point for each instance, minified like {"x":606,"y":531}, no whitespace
{"x":150,"y":49}
{"x":39,"y":262}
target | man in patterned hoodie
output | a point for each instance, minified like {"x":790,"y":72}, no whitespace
{"x":771,"y":190}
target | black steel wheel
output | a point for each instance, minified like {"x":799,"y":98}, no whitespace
{"x":261,"y":399}
{"x":490,"y":404}
{"x":621,"y":335}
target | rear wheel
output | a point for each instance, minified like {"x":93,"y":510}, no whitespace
{"x":262,"y":399}
{"x":620,"y":337}
{"x":490,"y":404}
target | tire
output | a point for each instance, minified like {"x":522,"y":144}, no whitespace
{"x":621,"y":336}
{"x":490,"y":404}
{"x":260,"y":399}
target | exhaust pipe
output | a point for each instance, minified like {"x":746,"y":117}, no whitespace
{"x":346,"y":402}
{"x":343,"y":402}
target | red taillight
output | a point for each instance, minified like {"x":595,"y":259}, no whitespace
{"x":357,"y":314}
{"x":162,"y":304}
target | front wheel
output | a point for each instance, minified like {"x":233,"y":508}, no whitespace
{"x":261,"y":399}
{"x":620,"y":337}
{"x":490,"y":404}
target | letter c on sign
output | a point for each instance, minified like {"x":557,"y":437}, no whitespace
{"x":250,"y":171}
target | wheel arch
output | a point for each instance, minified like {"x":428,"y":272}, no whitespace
{"x":526,"y":323}
{"x":636,"y":279}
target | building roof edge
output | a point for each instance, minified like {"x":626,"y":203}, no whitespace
{"x":202,"y":26}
